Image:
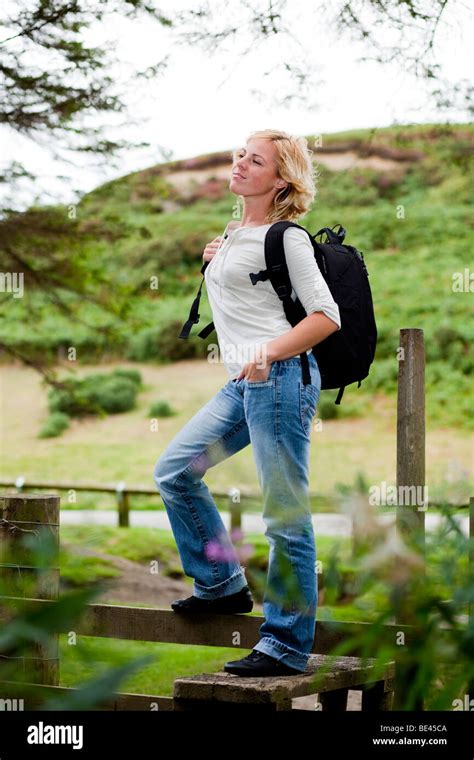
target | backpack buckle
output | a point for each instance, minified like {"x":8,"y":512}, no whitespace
{"x":257,"y":276}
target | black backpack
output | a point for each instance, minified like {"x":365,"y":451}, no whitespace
{"x":345,"y":356}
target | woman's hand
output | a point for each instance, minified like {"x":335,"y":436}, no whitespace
{"x":253,"y":372}
{"x":211,"y":248}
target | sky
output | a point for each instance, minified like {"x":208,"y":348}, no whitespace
{"x":205,"y":101}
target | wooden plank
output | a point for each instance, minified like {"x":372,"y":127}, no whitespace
{"x":342,"y":673}
{"x":233,"y":631}
{"x":11,"y":690}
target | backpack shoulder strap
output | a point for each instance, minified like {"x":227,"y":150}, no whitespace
{"x":194,"y":315}
{"x":277,"y":272}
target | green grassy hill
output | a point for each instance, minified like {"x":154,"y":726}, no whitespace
{"x":404,"y":195}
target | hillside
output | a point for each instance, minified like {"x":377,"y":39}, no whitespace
{"x":404,"y":195}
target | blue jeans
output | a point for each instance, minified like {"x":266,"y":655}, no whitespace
{"x":275,"y":416}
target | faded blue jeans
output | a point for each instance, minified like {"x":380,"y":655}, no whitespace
{"x":275,"y":416}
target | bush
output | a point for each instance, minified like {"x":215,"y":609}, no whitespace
{"x":72,"y":399}
{"x":115,"y":394}
{"x":56,"y":423}
{"x":383,"y":375}
{"x":351,"y":405}
{"x":431,"y":596}
{"x":131,"y":374}
{"x":161,"y":409}
{"x":96,"y":394}
{"x":327,"y":409}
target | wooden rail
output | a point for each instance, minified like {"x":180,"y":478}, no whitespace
{"x":123,"y":493}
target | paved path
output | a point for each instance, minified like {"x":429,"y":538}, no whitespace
{"x":325,"y":524}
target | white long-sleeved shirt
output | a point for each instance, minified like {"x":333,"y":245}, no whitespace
{"x":247,"y":316}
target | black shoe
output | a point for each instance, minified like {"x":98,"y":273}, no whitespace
{"x":240,"y":602}
{"x":259,"y":664}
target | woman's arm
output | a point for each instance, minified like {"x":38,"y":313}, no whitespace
{"x":313,"y":293}
{"x":311,"y":330}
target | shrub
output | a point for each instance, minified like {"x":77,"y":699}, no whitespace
{"x":96,"y":394}
{"x":56,"y":423}
{"x":115,"y":394}
{"x":72,"y":399}
{"x":327,"y":409}
{"x":161,"y":409}
{"x":383,"y":375}
{"x":131,"y":374}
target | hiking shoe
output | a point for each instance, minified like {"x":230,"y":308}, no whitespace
{"x":239,"y":602}
{"x":259,"y":664}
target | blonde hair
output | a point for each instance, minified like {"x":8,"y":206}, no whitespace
{"x":294,"y":164}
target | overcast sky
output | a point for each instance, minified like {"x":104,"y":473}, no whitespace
{"x":205,"y":101}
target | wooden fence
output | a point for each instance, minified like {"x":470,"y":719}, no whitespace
{"x":235,"y":497}
{"x":20,"y":513}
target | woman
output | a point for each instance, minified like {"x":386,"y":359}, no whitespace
{"x":264,"y":403}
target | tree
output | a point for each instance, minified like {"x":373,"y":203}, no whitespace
{"x":50,"y":81}
{"x":411,"y":25}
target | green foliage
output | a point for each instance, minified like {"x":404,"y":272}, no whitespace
{"x":134,"y":375}
{"x":161,"y":409}
{"x":334,"y":188}
{"x":413,"y":226}
{"x":327,"y":409}
{"x":383,"y":375}
{"x":27,"y":627}
{"x":435,"y":659}
{"x":50,"y":99}
{"x":352,"y":405}
{"x":56,"y":423}
{"x":99,"y":393}
{"x":162,"y":344}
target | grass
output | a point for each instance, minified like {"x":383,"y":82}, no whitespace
{"x":126,"y":446}
{"x":142,"y":544}
{"x":90,"y":656}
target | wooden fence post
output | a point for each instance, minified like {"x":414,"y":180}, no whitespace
{"x":235,"y":510}
{"x":36,"y":515}
{"x":410,"y":468}
{"x":411,"y":434}
{"x":123,"y":505}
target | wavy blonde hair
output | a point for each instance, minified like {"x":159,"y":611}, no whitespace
{"x":294,"y":164}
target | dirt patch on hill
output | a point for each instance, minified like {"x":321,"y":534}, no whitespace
{"x":136,"y":584}
{"x":217,"y":177}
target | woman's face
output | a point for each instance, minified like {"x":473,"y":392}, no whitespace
{"x":254,"y":169}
